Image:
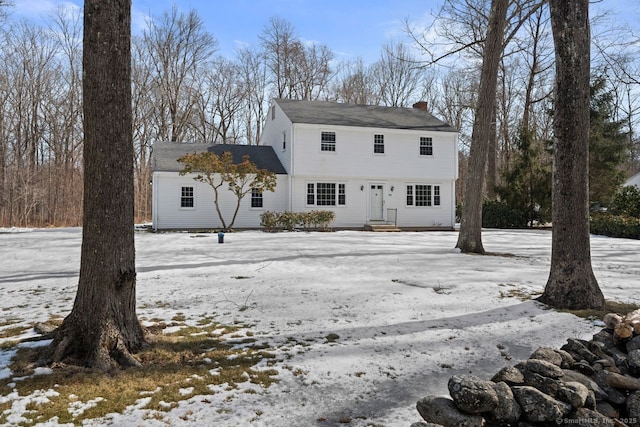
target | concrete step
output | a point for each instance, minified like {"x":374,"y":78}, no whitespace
{"x":381,"y":227}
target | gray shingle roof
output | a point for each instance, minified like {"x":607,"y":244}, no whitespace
{"x":166,"y":154}
{"x":332,"y":113}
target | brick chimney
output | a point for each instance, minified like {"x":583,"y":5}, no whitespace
{"x":421,"y":105}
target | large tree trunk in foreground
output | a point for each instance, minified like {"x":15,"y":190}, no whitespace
{"x":470,"y":237}
{"x":571,"y":282}
{"x":102,"y":329}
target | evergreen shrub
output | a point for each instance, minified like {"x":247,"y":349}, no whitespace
{"x":497,"y":214}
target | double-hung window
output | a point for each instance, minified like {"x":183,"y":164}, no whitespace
{"x":328,"y":141}
{"x":326,"y":194}
{"x":378,"y":144}
{"x":423,"y":195}
{"x":256,"y":198}
{"x":187,"y":199}
{"x":426,"y":146}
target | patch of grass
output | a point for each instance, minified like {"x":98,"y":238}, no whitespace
{"x":179,"y":317}
{"x":13,"y":331}
{"x":175,"y":367}
{"x":7,"y":322}
{"x":520,"y":294}
{"x":621,"y":308}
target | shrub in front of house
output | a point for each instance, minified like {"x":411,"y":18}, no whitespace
{"x":611,"y":225}
{"x":289,"y":221}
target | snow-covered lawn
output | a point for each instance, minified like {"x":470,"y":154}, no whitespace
{"x":369,"y":322}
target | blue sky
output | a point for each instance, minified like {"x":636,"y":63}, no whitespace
{"x":350,"y":28}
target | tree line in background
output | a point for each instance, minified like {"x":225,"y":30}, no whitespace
{"x":182,"y":90}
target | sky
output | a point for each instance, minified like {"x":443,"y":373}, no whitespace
{"x":409,"y":311}
{"x":352,"y":29}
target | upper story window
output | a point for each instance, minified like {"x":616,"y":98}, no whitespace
{"x":256,"y":198}
{"x":273,"y":112}
{"x":426,"y":146}
{"x":284,"y":141}
{"x":328,"y":141}
{"x":187,"y":199}
{"x":378,"y":144}
{"x":423,"y":195}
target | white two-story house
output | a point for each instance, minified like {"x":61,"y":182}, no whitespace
{"x":368,"y":164}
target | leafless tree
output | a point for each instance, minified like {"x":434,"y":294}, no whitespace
{"x":470,"y":236}
{"x":354,"y":84}
{"x":571,"y":282}
{"x":178,"y":47}
{"x":253,"y":75}
{"x":298,"y":70}
{"x":396,"y":76}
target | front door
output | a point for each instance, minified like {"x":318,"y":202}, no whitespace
{"x":376,"y":197}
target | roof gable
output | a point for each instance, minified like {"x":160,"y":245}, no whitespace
{"x":336,"y":114}
{"x":166,"y":154}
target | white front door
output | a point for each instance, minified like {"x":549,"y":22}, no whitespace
{"x":376,"y":200}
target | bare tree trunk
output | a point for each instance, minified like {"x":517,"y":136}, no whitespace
{"x":103,"y":329}
{"x":571,"y":282}
{"x":470,"y":237}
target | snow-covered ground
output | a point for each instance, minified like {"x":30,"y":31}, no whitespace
{"x":408,"y":310}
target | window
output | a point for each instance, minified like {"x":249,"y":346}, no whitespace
{"x":256,"y":198}
{"x":186,"y":197}
{"x":342,"y":195}
{"x":326,"y":194}
{"x":426,"y":146}
{"x":284,"y":141}
{"x":311,"y":194}
{"x":328,"y":141}
{"x":378,"y":144}
{"x":273,"y":112}
{"x":423,"y":195}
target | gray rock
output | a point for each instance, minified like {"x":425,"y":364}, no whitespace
{"x":567,"y":359}
{"x":584,"y":368}
{"x":541,"y":367}
{"x":546,"y":385}
{"x":471,"y":394}
{"x":441,"y":410}
{"x":633,"y":344}
{"x":571,"y":376}
{"x":508,"y":410}
{"x":605,"y":337}
{"x":633,"y":407}
{"x":538,"y":407}
{"x":607,"y":410}
{"x":633,"y":359}
{"x":547,"y":354}
{"x":588,"y":417}
{"x":579,"y":351}
{"x":423,"y":424}
{"x":574,"y":393}
{"x":510,"y":375}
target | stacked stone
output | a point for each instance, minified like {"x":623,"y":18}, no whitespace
{"x":591,"y":383}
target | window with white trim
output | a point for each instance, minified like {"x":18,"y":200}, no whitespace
{"x":426,"y":146}
{"x":187,"y":199}
{"x":326,"y":194}
{"x":378,"y":144}
{"x":423,"y":195}
{"x":256,"y":198}
{"x":328,"y":141}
